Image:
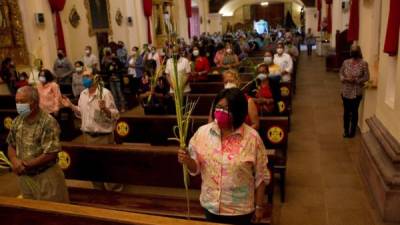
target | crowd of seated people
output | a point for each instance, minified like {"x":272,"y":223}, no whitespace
{"x":149,"y":70}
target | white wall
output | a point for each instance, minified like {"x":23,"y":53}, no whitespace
{"x":340,"y":20}
{"x":385,"y":69}
{"x":311,"y":17}
{"x":215,"y":24}
{"x":39,"y":40}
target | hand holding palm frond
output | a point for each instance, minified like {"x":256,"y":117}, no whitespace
{"x":183,"y":113}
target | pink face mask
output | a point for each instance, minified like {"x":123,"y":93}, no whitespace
{"x":223,"y":118}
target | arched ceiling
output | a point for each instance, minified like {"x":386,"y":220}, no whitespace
{"x":229,"y":7}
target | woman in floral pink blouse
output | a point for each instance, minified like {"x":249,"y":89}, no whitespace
{"x":232,"y":161}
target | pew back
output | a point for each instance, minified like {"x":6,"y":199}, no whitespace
{"x":128,"y":164}
{"x":157,"y":129}
{"x":23,"y":211}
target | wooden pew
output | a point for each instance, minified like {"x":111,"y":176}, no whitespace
{"x":7,"y":102}
{"x":205,"y":102}
{"x":215,"y":87}
{"x":139,"y":164}
{"x":245,"y":77}
{"x":23,"y":212}
{"x":157,"y":130}
{"x":65,"y":119}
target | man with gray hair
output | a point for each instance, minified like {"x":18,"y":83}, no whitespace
{"x":33,"y":145}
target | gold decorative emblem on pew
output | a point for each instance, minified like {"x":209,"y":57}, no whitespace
{"x":122,"y":129}
{"x":8,"y":122}
{"x":275,"y":134}
{"x":285,"y":91}
{"x":282,"y":106}
{"x":64,"y":160}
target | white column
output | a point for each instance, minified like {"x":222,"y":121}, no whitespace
{"x":140,"y":23}
{"x":311,"y":18}
{"x":203,"y":12}
{"x":181,"y":19}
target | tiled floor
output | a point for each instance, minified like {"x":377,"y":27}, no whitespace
{"x":324,"y":186}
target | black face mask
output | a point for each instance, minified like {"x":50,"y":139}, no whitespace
{"x":355,"y":54}
{"x":60,"y":56}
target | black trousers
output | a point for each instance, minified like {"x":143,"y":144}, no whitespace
{"x":309,"y":49}
{"x":350,"y":114}
{"x":237,"y":220}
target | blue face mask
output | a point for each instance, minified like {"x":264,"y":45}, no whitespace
{"x":23,"y":109}
{"x":87,"y":82}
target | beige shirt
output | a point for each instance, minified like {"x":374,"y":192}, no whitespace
{"x":93,"y":119}
{"x":89,"y":61}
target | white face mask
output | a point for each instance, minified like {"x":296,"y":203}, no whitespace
{"x":262,"y":76}
{"x":79,"y":69}
{"x":229,"y":51}
{"x":268,"y":59}
{"x":279,"y":50}
{"x":87,"y":52}
{"x":42,"y":79}
{"x":22,"y":78}
{"x":230,"y":85}
{"x":196,"y":52}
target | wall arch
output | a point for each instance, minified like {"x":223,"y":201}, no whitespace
{"x":229,"y":8}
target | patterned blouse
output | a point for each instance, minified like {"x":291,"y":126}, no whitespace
{"x":231,"y":168}
{"x":356,"y":70}
{"x":50,"y":97}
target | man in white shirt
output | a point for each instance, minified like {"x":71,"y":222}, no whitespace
{"x":90,"y":60}
{"x":99,"y":115}
{"x":184,"y":69}
{"x":284,"y":61}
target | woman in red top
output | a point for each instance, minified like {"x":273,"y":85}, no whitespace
{"x":201,"y":65}
{"x":264,"y":98}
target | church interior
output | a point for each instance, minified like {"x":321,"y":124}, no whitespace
{"x":279,"y":112}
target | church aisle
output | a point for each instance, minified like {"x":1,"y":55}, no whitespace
{"x":323,"y":183}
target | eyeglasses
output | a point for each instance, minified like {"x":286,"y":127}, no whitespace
{"x":221,"y":108}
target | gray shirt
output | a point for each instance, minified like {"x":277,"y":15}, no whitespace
{"x":62,"y":68}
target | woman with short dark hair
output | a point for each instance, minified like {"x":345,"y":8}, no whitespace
{"x":353,"y":74}
{"x":232,"y":161}
{"x":49,"y":93}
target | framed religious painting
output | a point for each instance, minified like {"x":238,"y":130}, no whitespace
{"x":98,"y":13}
{"x":6,"y":38}
{"x":12,"y":40}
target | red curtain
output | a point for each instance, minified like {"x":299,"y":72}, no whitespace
{"x":319,"y":7}
{"x":148,"y":11}
{"x":354,"y":21}
{"x":188,"y":7}
{"x":56,"y":7}
{"x":329,"y":17}
{"x":392,"y":30}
